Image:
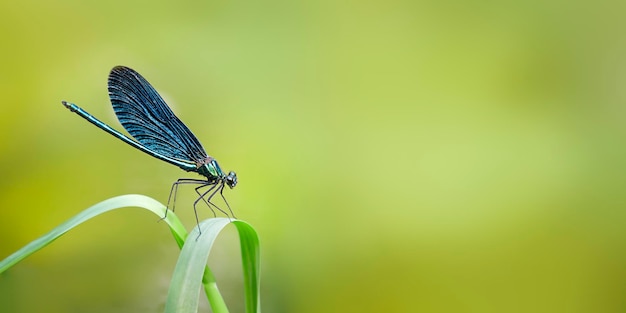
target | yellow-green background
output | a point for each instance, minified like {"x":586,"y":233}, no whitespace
{"x":394,"y":156}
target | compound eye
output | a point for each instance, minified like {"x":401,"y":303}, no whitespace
{"x":231,"y":179}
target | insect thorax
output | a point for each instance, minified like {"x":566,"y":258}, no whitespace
{"x":211,"y":170}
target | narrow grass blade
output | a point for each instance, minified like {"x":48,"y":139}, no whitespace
{"x":191,"y":269}
{"x":141,"y":201}
{"x":185,"y":286}
{"x":251,"y":261}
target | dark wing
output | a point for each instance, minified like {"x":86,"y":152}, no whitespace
{"x":146,"y":117}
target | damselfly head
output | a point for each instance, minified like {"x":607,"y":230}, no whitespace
{"x":231,"y":179}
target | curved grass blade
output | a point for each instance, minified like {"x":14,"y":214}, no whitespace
{"x":248,"y":237}
{"x":185,"y":286}
{"x":251,"y":259}
{"x":177,"y":228}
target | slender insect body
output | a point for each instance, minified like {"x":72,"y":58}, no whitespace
{"x":159,"y":133}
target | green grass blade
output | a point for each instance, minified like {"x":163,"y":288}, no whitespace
{"x":178,"y":230}
{"x":250,"y":256}
{"x":191,"y":269}
{"x":185,"y":287}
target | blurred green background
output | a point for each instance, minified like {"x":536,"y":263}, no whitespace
{"x":395,"y":156}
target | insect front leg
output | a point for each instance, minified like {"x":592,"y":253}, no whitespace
{"x":174,"y":190}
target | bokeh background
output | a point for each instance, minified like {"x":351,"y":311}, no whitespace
{"x":394,"y":156}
